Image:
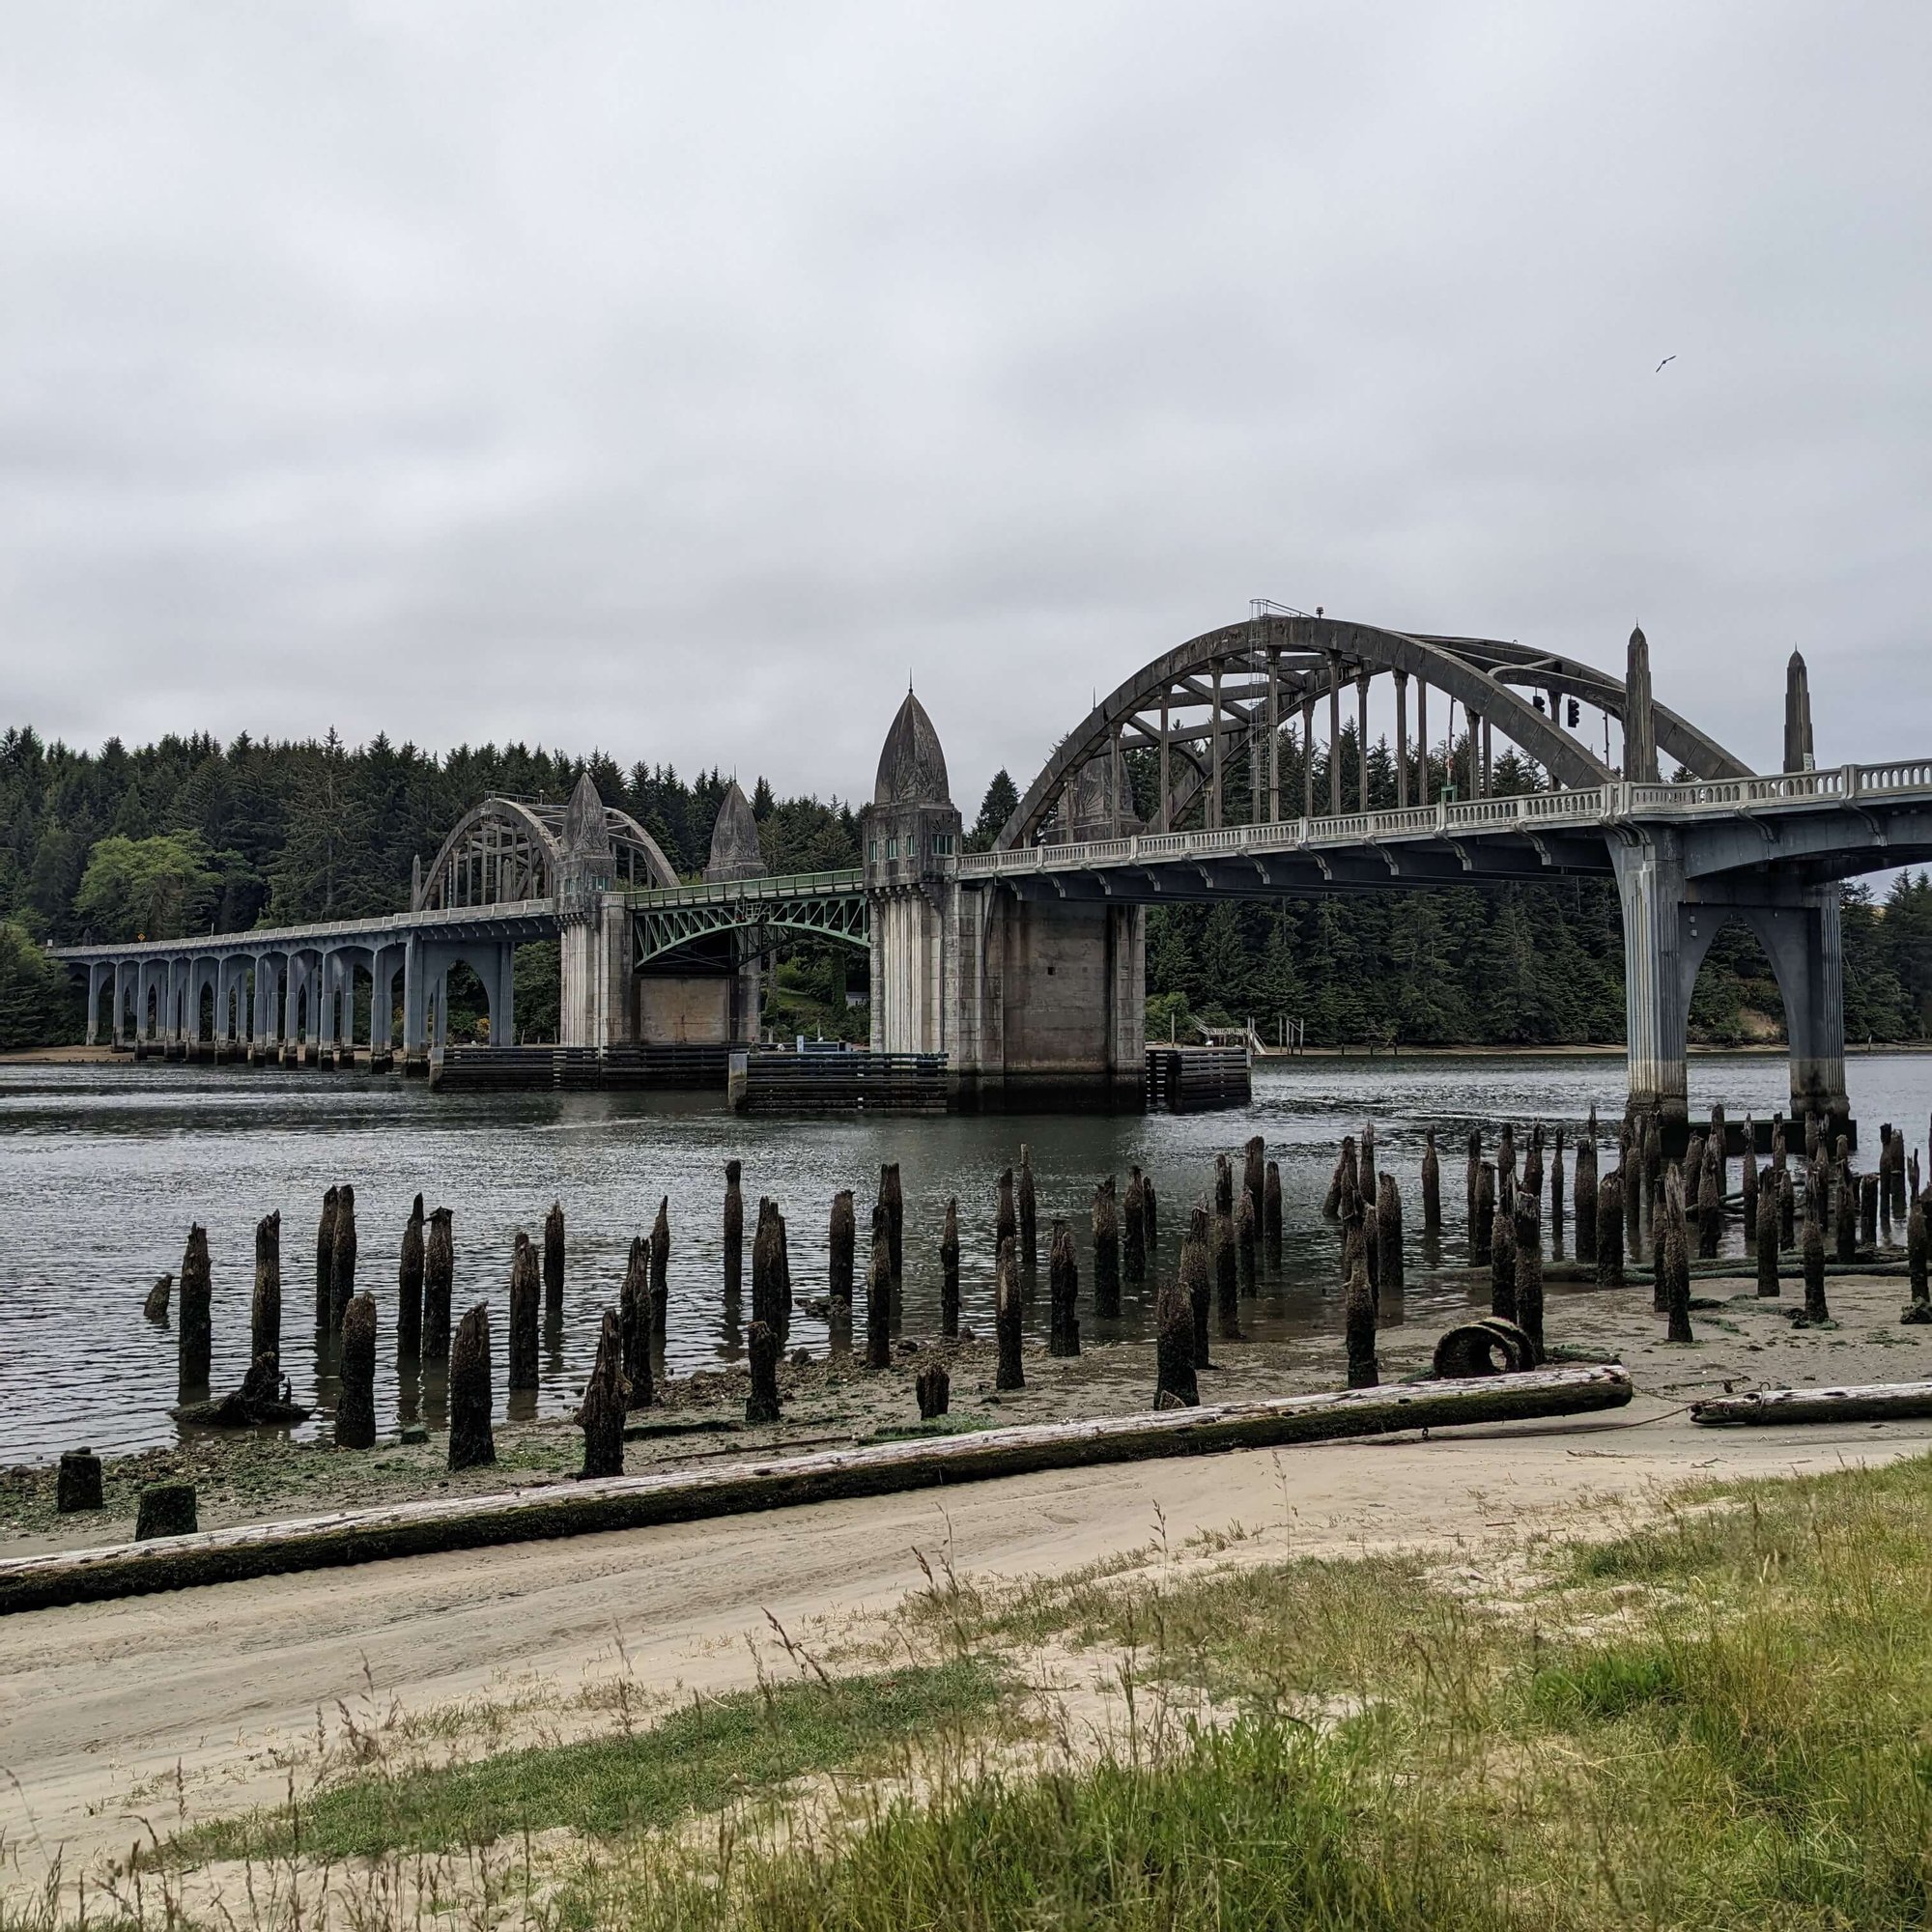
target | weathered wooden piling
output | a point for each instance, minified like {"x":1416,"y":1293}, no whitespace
{"x":783,"y":1323}
{"x":1895,"y":1189}
{"x":324,"y":1258}
{"x":1365,"y":1166}
{"x":1343,"y":1178}
{"x":932,"y":1386}
{"x":734,"y":1236}
{"x":1272,"y":1215}
{"x":1610,"y":1229}
{"x":165,"y":1509}
{"x":1867,"y":1186}
{"x":1006,"y":1212}
{"x":356,"y":1403}
{"x":342,"y":1257}
{"x":761,"y":1352}
{"x":1556,"y":1185}
{"x":606,"y":1398}
{"x":265,"y":1309}
{"x":1175,"y":1385}
{"x":1815,"y":1307}
{"x":194,"y":1339}
{"x":525,"y":1308}
{"x":1224,"y":1187}
{"x":1227,"y":1273}
{"x":634,"y":1324}
{"x":1586,"y":1196}
{"x":1764,"y":1231}
{"x":1106,"y":1251}
{"x":410,"y":1285}
{"x":1432,"y":1185}
{"x":1915,"y":1255}
{"x":1133,"y":1228}
{"x":1846,"y":1224}
{"x":439,"y":1285}
{"x":154,"y":1303}
{"x":1028,"y":1207}
{"x":660,"y":1270}
{"x":948,"y":1270}
{"x":1719,"y":1140}
{"x":472,"y":1444}
{"x":1254,"y":1173}
{"x":1787,"y":1210}
{"x":1483,"y":1219}
{"x":1388,"y":1225}
{"x":1196,"y":1281}
{"x":891,"y":1191}
{"x":1780,"y":1143}
{"x":1813,"y":1137}
{"x":1063,"y":1266}
{"x":1532,"y":1167}
{"x":841,"y":1239}
{"x":79,"y":1485}
{"x":1529,"y":1271}
{"x":1747,"y":1178}
{"x":553,"y":1261}
{"x":1710,"y":1207}
{"x":1502,"y":1267}
{"x":1009,"y":1315}
{"x":1676,"y":1248}
{"x":1358,"y":1328}
{"x":765,"y":1263}
{"x":1506,"y":1168}
{"x":1244,"y":1238}
{"x":1659,"y":1297}
{"x":1151,"y":1220}
{"x":1369,"y":1243}
{"x":1474,"y":1171}
{"x":879,"y":1292}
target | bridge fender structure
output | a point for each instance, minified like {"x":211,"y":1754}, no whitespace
{"x":1669,"y":922}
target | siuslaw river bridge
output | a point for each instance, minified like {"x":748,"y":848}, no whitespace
{"x":1024,"y":967}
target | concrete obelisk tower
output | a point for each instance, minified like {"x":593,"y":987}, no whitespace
{"x":1640,"y":719}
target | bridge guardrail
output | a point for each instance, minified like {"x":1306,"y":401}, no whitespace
{"x":1584,"y":805}
{"x":722,"y":892}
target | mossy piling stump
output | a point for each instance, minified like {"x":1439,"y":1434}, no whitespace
{"x":471,"y":1442}
{"x":356,"y":1404}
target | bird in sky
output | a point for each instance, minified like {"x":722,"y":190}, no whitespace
{"x":1658,"y":370}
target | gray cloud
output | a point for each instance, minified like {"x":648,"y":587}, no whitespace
{"x":678,"y":380}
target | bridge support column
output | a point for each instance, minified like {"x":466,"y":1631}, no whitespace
{"x":416,"y":1011}
{"x":125,"y":973}
{"x":594,"y":996}
{"x":386,"y":961}
{"x":1658,"y":974}
{"x":95,"y":969}
{"x":1807,"y":953}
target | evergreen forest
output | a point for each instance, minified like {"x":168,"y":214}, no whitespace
{"x":188,"y":836}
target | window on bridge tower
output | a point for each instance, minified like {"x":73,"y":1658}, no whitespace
{"x":942,"y":844}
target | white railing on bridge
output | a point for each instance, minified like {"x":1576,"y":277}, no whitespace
{"x":1589,"y":805}
{"x":305,"y":938}
{"x":841,"y":881}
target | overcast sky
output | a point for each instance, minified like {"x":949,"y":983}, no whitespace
{"x":677,"y":380}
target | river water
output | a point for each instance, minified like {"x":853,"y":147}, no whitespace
{"x":102,"y":1168}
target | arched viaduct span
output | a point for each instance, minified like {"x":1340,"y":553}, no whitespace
{"x":1226,"y":767}
{"x":1025,"y":964}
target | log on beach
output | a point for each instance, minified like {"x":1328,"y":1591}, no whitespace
{"x":1870,"y":1402}
{"x":628,"y":1502}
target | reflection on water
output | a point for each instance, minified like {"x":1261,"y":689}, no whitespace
{"x":106,"y":1168}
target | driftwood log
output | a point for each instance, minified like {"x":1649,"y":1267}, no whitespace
{"x":628,"y":1502}
{"x":1491,"y":1346}
{"x":1870,"y":1402}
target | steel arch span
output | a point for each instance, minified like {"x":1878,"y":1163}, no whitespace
{"x":1233,"y":693}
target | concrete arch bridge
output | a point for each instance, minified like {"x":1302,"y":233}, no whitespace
{"x":1229,"y":767}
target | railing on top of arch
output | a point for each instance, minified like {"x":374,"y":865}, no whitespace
{"x":1583,"y":804}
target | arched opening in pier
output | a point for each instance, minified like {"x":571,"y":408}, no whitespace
{"x":1736,"y":999}
{"x":467,"y":1022}
{"x":538,"y":977}
{"x":205,"y":1014}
